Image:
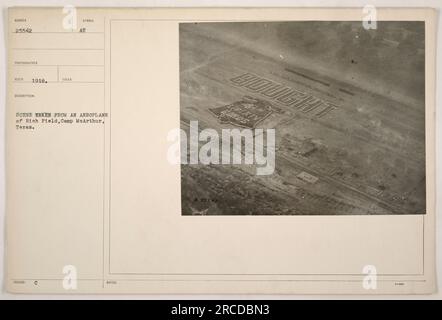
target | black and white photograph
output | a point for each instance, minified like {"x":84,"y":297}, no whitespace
{"x":333,"y":110}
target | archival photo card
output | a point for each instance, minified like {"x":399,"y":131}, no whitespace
{"x":305,"y":136}
{"x":302,"y":118}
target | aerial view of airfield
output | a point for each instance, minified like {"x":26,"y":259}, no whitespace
{"x":346,"y":104}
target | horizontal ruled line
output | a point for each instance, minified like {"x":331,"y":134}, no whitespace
{"x":57,"y":65}
{"x":63,"y":32}
{"x":27,"y":82}
{"x":92,"y":49}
